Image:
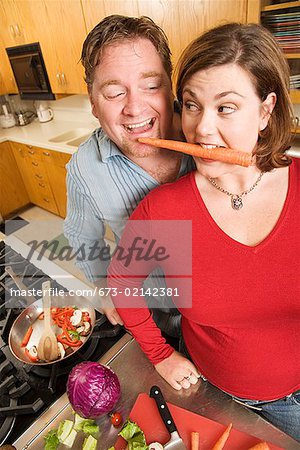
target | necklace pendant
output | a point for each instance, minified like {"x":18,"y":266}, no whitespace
{"x":236,"y":202}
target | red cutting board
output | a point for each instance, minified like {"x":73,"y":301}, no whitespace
{"x":146,"y":415}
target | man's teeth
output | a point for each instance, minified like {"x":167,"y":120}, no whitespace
{"x":139,"y":125}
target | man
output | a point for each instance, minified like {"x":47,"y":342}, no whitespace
{"x":128,"y":74}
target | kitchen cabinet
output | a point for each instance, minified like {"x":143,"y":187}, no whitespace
{"x":59,"y":27}
{"x":62,"y":32}
{"x":181,"y":21}
{"x":62,"y":25}
{"x":7,"y":80}
{"x":55,"y":165}
{"x":271,"y":11}
{"x":15,"y":26}
{"x":13,"y":192}
{"x":44,"y":176}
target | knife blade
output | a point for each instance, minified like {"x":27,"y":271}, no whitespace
{"x":175,"y":442}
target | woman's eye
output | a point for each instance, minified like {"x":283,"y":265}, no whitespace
{"x":226,"y":109}
{"x":190,"y":106}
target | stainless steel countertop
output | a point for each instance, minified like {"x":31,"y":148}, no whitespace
{"x":137,"y":375}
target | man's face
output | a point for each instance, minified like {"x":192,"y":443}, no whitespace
{"x":132,"y":97}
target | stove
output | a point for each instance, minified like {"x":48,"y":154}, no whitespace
{"x":26,"y":391}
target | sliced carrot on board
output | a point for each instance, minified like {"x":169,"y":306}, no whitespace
{"x":260,"y":446}
{"x":194,"y":440}
{"x":227,"y":155}
{"x":219,"y":445}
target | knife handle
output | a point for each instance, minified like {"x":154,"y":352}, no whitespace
{"x":163,"y":409}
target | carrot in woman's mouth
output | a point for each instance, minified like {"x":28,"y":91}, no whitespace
{"x":227,"y":155}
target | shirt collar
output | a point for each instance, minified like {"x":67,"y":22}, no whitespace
{"x":107,"y":148}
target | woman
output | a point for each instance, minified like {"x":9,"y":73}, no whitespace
{"x":243,"y":329}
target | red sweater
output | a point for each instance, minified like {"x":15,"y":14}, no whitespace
{"x":243,"y":330}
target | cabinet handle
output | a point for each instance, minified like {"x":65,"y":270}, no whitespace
{"x":12,"y":30}
{"x":64,"y":81}
{"x":34,"y":164}
{"x":18,"y":29}
{"x":40,"y":177}
{"x":46,"y":153}
{"x":42,"y":185}
{"x":46,"y":200}
{"x":58,"y":78}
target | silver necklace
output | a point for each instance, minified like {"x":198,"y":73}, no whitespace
{"x":236,"y":199}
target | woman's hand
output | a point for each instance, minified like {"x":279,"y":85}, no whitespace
{"x":112,"y":315}
{"x":178,"y":371}
{"x":104,"y":304}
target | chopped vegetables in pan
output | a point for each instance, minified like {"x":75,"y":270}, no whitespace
{"x":74,"y":323}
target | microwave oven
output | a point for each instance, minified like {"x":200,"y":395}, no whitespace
{"x":30,"y":72}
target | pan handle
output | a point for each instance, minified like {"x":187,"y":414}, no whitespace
{"x":107,"y":333}
{"x":163,"y":409}
{"x":19,"y":283}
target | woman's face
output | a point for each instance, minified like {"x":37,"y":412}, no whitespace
{"x":221,"y":109}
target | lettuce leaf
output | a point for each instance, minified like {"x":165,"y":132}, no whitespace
{"x":51,"y":440}
{"x":135,"y":437}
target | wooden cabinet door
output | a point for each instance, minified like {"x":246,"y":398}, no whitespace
{"x":181,"y":20}
{"x":12,"y":31}
{"x":19,"y":23}
{"x":58,"y":175}
{"x":62,"y":32}
{"x":13,"y":192}
{"x":55,"y":163}
{"x":7,"y":80}
{"x":44,"y":175}
{"x":35,"y":176}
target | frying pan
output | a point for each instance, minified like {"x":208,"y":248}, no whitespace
{"x":29,"y":317}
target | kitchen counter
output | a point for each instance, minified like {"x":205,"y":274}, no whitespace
{"x":71,"y":113}
{"x":137,"y":375}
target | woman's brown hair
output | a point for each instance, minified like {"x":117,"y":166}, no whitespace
{"x":255,"y":50}
{"x":116,"y":29}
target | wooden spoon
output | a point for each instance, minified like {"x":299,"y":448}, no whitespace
{"x":47,"y":346}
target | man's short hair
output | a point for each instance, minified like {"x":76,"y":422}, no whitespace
{"x":116,"y":29}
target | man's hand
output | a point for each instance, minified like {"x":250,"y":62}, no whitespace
{"x":178,"y":371}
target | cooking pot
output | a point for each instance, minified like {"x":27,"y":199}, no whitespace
{"x":30,"y":317}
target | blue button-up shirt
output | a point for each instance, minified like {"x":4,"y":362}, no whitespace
{"x":104,"y":187}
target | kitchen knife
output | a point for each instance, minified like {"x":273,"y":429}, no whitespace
{"x":175,"y":443}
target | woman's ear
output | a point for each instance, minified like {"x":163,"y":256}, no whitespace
{"x":266,"y":110}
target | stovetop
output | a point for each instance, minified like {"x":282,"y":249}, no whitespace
{"x":27,"y":390}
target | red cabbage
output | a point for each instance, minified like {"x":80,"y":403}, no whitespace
{"x":93,"y":389}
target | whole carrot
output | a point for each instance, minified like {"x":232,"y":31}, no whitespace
{"x":195,"y":440}
{"x":260,"y":446}
{"x":222,"y":439}
{"x":227,"y":155}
